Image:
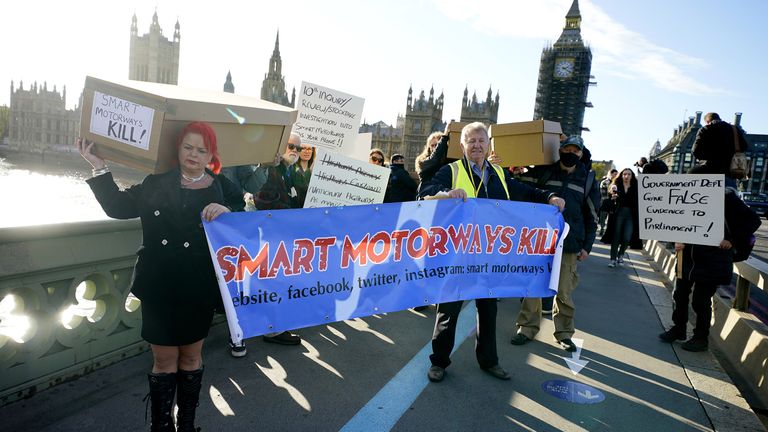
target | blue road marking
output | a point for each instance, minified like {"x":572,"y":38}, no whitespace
{"x":384,"y":410}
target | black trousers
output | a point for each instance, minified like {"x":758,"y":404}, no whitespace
{"x":444,"y":335}
{"x":702,"y":305}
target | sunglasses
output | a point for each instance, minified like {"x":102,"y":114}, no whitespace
{"x":377,"y":159}
{"x":294,"y":147}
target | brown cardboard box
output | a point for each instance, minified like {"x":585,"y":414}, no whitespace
{"x":526,"y":143}
{"x":455,"y":151}
{"x":137,"y":123}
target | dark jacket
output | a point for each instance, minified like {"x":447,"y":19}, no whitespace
{"x":301,"y":183}
{"x":401,"y":187}
{"x":249,"y":178}
{"x":714,"y":144}
{"x":710,"y":263}
{"x":580,"y":210}
{"x":626,"y":199}
{"x":427,"y":168}
{"x":173,"y":240}
{"x":443,"y":180}
{"x":278,"y":192}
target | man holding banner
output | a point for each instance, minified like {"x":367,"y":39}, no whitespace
{"x":474,"y":177}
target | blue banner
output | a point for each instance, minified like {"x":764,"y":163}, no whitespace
{"x":287,"y":269}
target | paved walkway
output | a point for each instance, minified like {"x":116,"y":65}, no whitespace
{"x":370,"y":375}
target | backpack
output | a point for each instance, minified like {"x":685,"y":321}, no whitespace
{"x":739,"y":162}
{"x":743,"y":233}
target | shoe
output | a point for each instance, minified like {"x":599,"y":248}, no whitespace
{"x":567,"y":344}
{"x":520,"y":339}
{"x":672,"y":335}
{"x":620,"y":260}
{"x":237,"y":350}
{"x":436,"y":373}
{"x":284,"y":338}
{"x":498,"y":372}
{"x":695,"y":344}
{"x":612,"y":264}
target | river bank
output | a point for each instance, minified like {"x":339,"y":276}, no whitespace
{"x":66,"y":164}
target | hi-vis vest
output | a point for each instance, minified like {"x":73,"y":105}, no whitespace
{"x":460,"y":178}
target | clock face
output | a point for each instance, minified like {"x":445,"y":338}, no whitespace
{"x":564,"y":68}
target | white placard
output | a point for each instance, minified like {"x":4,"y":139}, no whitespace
{"x":683,"y":208}
{"x":339,"y":180}
{"x":362,"y":148}
{"x":121,"y":120}
{"x":328,"y":118}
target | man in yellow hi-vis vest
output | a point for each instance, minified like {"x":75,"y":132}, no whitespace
{"x":474,"y":177}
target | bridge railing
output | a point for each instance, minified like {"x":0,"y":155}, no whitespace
{"x":736,"y":333}
{"x":65,"y":306}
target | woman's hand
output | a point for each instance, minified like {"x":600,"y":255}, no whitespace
{"x":213,"y":210}
{"x":679,"y":247}
{"x":86,"y":151}
{"x":725,"y":244}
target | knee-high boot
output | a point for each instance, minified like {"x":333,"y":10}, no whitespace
{"x":162,"y":388}
{"x":188,"y":398}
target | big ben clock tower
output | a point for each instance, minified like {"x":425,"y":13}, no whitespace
{"x":564,"y":77}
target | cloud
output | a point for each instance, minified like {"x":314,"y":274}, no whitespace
{"x":617,"y":50}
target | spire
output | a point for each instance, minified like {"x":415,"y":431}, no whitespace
{"x":275,"y":62}
{"x":155,"y":27}
{"x":134,"y":25}
{"x":177,"y":31}
{"x":228,"y":86}
{"x":571,"y":34}
{"x":573,"y":12}
{"x":277,"y":43}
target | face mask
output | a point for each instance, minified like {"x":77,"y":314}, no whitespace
{"x":569,"y":159}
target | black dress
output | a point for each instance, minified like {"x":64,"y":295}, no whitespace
{"x":174,"y":277}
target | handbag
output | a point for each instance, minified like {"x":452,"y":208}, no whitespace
{"x":739,"y":162}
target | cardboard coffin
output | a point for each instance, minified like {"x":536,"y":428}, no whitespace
{"x":526,"y":143}
{"x":455,"y":151}
{"x":137,"y":123}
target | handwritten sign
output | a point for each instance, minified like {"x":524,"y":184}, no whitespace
{"x":683,"y":208}
{"x":328,"y":118}
{"x":121,"y":120}
{"x":339,"y":180}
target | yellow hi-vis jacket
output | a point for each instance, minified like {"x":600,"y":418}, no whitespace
{"x":461,"y":180}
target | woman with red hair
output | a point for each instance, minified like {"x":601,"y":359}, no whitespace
{"x":173,"y":277}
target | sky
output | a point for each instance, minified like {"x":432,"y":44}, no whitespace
{"x":655,"y":62}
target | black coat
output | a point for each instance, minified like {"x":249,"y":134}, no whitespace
{"x":710,"y":263}
{"x":714,"y":144}
{"x":625,"y":199}
{"x":426,"y":168}
{"x":580,"y":210}
{"x":401,"y":187}
{"x":173,"y":241}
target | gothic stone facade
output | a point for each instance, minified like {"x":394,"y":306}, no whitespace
{"x":39,"y":121}
{"x":153,"y":57}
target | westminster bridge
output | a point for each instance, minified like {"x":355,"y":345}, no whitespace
{"x":72,"y":358}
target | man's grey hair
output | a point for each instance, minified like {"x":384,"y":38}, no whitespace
{"x":473,"y":127}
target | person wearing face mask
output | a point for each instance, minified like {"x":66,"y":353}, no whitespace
{"x":569,"y":179}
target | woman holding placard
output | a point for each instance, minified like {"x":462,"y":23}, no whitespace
{"x":623,"y":227}
{"x":174,"y":277}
